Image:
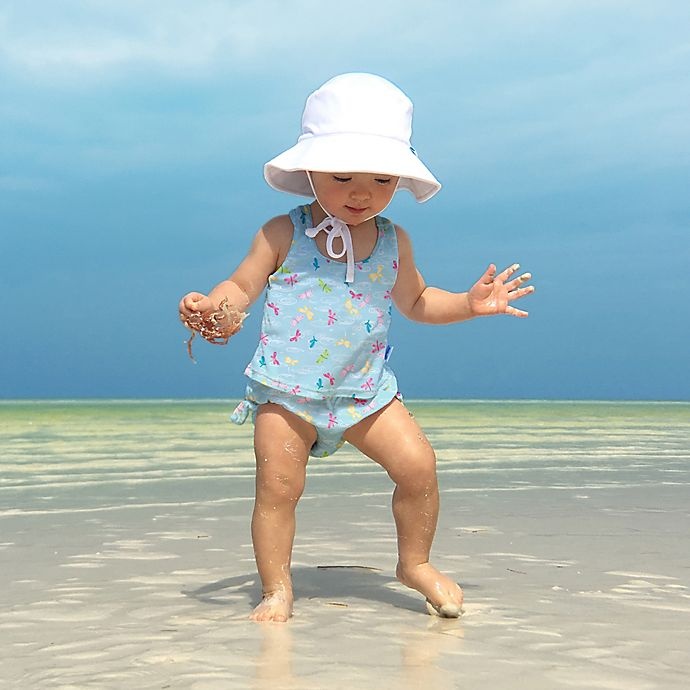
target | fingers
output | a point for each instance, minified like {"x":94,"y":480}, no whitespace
{"x":516,"y":282}
{"x":513,"y":287}
{"x":521,"y":292}
{"x":489,"y":275}
{"x":516,"y":292}
{"x":512,"y":311}
{"x":194,"y":302}
{"x":504,"y":275}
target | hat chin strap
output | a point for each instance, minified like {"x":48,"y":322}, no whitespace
{"x":335,"y":227}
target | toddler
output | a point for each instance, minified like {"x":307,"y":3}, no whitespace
{"x":331,"y":271}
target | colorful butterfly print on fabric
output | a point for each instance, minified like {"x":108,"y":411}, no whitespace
{"x":351,"y":309}
{"x":377,"y":275}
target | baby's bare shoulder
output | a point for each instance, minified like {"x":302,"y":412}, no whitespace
{"x":278,"y":232}
{"x":278,"y":224}
{"x":404,"y":241}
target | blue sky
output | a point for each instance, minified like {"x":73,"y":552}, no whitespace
{"x":132,"y":140}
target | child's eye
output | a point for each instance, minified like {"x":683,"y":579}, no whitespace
{"x":383,"y":180}
{"x":341,"y":179}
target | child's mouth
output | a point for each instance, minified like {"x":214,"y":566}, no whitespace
{"x":355,"y":211}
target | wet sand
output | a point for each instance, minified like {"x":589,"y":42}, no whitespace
{"x":139,"y":575}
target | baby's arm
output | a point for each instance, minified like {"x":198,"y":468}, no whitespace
{"x":491,"y":294}
{"x":267,"y":252}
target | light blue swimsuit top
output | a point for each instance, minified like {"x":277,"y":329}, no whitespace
{"x":321,"y":336}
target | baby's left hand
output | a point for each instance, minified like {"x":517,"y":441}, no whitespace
{"x":492,"y":293}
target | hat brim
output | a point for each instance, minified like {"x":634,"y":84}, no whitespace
{"x":350,"y":153}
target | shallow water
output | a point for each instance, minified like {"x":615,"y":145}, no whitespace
{"x":125,"y":557}
{"x":95,"y":454}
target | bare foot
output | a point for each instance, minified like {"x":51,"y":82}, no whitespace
{"x":444,"y":597}
{"x":275,"y":606}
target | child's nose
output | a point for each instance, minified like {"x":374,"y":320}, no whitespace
{"x":360,"y":193}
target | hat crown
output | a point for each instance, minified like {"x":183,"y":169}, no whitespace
{"x":355,"y":122}
{"x":358,"y":103}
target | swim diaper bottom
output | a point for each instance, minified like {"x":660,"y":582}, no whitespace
{"x":331,"y":416}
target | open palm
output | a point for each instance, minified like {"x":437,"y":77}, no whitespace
{"x":492,"y":294}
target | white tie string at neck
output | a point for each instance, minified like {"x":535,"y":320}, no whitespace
{"x":334,"y":228}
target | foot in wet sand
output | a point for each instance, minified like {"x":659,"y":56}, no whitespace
{"x":443,"y":596}
{"x":275,"y":606}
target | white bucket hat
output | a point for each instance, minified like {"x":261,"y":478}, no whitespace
{"x":354,"y":123}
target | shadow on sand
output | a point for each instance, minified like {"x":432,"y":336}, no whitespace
{"x":329,"y":583}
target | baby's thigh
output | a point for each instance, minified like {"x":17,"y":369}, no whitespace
{"x":392,"y":438}
{"x":282,"y":439}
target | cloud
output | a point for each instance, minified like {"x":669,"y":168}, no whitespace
{"x":573,"y":85}
{"x":89,"y":37}
{"x":596,"y":88}
{"x":79,"y":38}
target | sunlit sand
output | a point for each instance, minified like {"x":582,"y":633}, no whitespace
{"x":126,"y":560}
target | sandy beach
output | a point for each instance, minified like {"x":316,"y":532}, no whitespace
{"x":126,"y":561}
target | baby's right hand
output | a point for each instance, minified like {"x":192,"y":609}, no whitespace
{"x":194,"y":303}
{"x":214,"y":324}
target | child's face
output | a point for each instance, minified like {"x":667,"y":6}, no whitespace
{"x":353,"y":197}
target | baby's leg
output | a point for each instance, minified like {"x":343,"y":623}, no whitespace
{"x":393,"y":438}
{"x":282,"y":441}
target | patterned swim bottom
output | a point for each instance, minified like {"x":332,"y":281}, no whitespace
{"x":330,"y":416}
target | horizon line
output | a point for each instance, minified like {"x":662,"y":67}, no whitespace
{"x":232,"y":400}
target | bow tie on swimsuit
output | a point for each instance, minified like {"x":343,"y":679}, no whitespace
{"x":334,"y":227}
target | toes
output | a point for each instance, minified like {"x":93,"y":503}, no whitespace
{"x":448,"y":610}
{"x":266,"y":612}
{"x":269,"y":617}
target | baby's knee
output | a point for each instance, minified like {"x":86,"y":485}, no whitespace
{"x":279,"y":487}
{"x":417,"y":472}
